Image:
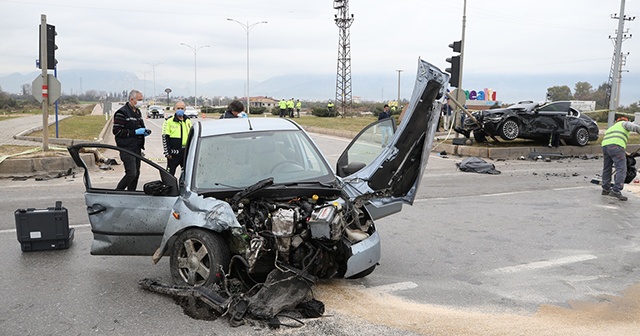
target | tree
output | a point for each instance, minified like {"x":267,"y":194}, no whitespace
{"x":556,"y":93}
{"x":26,"y":89}
{"x":600,"y":96}
{"x":583,"y":91}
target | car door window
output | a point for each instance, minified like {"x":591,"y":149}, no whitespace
{"x":367,"y":145}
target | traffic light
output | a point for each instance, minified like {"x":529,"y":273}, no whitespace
{"x":51,"y":48}
{"x":454,"y":68}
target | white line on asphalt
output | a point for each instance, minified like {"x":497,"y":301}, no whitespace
{"x":70,"y":226}
{"x":491,"y":195}
{"x":392,"y":287}
{"x":545,"y":264}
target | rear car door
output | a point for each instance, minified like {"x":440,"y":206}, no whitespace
{"x":386,"y":178}
{"x":124,"y":222}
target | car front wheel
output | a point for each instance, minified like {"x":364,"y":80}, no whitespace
{"x":509,"y":130}
{"x":580,"y":137}
{"x":198,"y":257}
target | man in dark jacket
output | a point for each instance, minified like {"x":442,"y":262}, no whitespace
{"x":235,"y":107}
{"x":129,"y":131}
{"x":175,"y":131}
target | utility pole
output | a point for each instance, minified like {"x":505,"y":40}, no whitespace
{"x":399,"y":71}
{"x":45,"y":73}
{"x":343,"y":80}
{"x":615,"y":75}
{"x":153,"y":68}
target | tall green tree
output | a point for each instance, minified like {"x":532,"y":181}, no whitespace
{"x":583,"y":91}
{"x":556,"y":93}
{"x":600,"y":96}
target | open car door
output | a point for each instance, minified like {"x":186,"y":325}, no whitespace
{"x":124,"y":222}
{"x":385,"y":177}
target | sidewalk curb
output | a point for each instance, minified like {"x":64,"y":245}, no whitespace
{"x":60,"y":165}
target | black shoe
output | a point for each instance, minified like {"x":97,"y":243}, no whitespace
{"x":605,"y":192}
{"x":618,"y":195}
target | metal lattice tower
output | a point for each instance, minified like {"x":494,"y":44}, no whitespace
{"x":343,"y":80}
{"x":618,"y":61}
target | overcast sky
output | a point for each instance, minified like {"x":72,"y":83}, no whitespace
{"x":502,"y":37}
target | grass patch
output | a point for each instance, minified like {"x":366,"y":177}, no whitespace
{"x":86,"y":127}
{"x":354,"y":124}
{"x":13,"y":149}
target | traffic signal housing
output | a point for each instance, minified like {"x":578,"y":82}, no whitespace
{"x":51,"y":48}
{"x":454,"y":68}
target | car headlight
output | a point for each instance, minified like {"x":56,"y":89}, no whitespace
{"x":493,"y":119}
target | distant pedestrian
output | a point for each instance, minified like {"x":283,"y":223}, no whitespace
{"x":386,"y":130}
{"x":283,"y":107}
{"x":298,"y":107}
{"x":446,"y":114}
{"x":614,"y":146}
{"x":290,"y":105}
{"x":129,"y":131}
{"x":175,"y":131}
{"x":330,"y":106}
{"x":233,"y":110}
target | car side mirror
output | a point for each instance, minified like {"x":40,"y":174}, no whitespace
{"x":353,"y":167}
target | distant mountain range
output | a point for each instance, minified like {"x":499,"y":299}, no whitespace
{"x":372,"y":87}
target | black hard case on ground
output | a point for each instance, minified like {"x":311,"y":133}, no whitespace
{"x":43,"y":229}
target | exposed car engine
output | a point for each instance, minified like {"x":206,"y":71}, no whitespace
{"x":311,"y":235}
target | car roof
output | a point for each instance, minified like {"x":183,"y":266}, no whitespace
{"x":241,"y":125}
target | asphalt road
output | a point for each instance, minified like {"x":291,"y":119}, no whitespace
{"x":535,"y":250}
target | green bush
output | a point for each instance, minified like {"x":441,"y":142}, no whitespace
{"x":211,"y":109}
{"x":258,"y":110}
{"x":323,"y":112}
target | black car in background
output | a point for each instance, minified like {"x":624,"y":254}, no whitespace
{"x":536,"y":121}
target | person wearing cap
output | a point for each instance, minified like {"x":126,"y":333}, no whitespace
{"x":298,"y":107}
{"x":614,"y":146}
{"x":290,"y":105}
{"x":233,"y":110}
{"x":175,"y":131}
{"x":283,"y":107}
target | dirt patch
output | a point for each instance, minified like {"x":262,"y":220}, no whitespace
{"x":613,"y":316}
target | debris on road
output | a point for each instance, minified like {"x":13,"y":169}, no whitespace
{"x":477,"y":165}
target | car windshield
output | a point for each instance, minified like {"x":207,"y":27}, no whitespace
{"x":239,"y":160}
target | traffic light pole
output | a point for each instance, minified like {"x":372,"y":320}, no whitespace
{"x":45,"y":92}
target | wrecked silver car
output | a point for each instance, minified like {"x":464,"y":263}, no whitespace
{"x":257,"y":194}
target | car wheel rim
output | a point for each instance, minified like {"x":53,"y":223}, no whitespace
{"x":194,"y":262}
{"x":582,"y":136}
{"x":510,"y":129}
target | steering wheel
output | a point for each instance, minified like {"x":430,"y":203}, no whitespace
{"x":291,"y":162}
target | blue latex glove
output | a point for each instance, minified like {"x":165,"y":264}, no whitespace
{"x":140,"y":131}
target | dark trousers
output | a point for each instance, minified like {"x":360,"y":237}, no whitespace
{"x":614,"y":156}
{"x":174,"y":162}
{"x":290,"y":112}
{"x":131,"y":171}
{"x":283,"y":112}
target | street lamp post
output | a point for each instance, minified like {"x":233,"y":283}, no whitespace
{"x":195,"y":50}
{"x":144,"y":74}
{"x":153,"y":67}
{"x":399,"y":71}
{"x":247,"y":28}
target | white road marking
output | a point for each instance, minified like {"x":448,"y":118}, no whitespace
{"x":545,"y":264}
{"x":392,"y":287}
{"x":70,"y":226}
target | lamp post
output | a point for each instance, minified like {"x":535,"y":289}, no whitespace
{"x":399,"y":71}
{"x":247,"y":28}
{"x":153,"y":67}
{"x":195,"y":50}
{"x":144,"y":74}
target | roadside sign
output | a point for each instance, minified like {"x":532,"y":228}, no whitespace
{"x":51,"y":91}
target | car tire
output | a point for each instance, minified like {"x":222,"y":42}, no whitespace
{"x":196,"y":258}
{"x":509,"y":130}
{"x":580,"y":137}
{"x":363,"y":273}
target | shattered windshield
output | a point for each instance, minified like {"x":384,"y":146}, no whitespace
{"x":239,"y":160}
